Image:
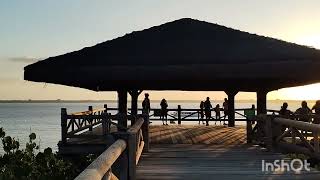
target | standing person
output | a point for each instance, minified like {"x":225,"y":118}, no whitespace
{"x":164,"y":106}
{"x":201,"y":111}
{"x":316,"y":108}
{"x":146,"y":104}
{"x":303,"y":114}
{"x":225,"y":110}
{"x":217,"y":111}
{"x":207,"y":110}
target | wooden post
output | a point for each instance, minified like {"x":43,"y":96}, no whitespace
{"x":268,"y":131}
{"x":316,"y":141}
{"x":134,"y":103}
{"x":145,"y":132}
{"x":123,"y":171}
{"x":293,"y":135}
{"x":179,"y":114}
{"x":105,"y":108}
{"x":122,"y":108}
{"x":120,"y":167}
{"x":90,"y":109}
{"x":64,"y":125}
{"x":105,"y":128}
{"x":231,"y":112}
{"x":249,"y":131}
{"x":262,"y":102}
{"x":132,"y":147}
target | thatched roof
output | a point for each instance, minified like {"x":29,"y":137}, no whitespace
{"x":185,"y":54}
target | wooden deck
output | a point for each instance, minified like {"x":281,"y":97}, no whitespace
{"x":194,"y":134}
{"x":201,"y":152}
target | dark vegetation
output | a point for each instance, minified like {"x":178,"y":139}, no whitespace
{"x":28,"y":163}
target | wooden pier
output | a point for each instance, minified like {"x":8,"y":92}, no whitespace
{"x":198,"y":161}
{"x":144,"y":151}
{"x":213,"y":152}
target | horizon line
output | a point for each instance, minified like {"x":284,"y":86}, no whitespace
{"x":129,"y":100}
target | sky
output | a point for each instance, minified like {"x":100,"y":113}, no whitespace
{"x":37,"y":29}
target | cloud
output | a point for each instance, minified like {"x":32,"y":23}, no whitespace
{"x":23,"y":59}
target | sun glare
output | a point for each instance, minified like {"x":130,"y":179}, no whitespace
{"x":308,"y":92}
{"x":312,"y":40}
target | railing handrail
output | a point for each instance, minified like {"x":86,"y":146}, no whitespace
{"x":298,"y":124}
{"x":184,"y":109}
{"x":137,"y":126}
{"x":89,"y":111}
{"x":128,"y":148}
{"x":98,"y":168}
{"x":273,"y":131}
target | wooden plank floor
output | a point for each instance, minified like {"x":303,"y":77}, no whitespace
{"x":194,"y":134}
{"x":213,"y":152}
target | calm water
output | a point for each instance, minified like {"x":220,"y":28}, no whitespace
{"x":19,"y":119}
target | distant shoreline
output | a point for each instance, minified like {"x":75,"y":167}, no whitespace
{"x":114,"y":101}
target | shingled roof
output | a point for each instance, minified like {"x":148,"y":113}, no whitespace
{"x":185,"y":54}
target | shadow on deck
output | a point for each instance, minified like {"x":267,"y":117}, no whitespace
{"x":213,"y":152}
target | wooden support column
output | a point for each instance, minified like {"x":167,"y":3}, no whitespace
{"x":145,"y":132}
{"x":134,"y":103}
{"x":90,"y":108}
{"x":249,"y":131}
{"x":262,"y":101}
{"x":179,"y":114}
{"x":268,"y":133}
{"x":64,"y":128}
{"x":122,"y":108}
{"x":231,"y":112}
{"x":105,"y":128}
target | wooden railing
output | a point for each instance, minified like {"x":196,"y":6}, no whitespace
{"x":180,"y":114}
{"x":278,"y":133}
{"x":127,"y":149}
{"x":72,"y":125}
{"x":101,"y":167}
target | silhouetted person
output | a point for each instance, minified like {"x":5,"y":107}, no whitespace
{"x":284,"y":112}
{"x":303,"y":112}
{"x":207,"y":110}
{"x":164,"y":110}
{"x":316,"y":109}
{"x":201,"y":111}
{"x":217,"y":111}
{"x":250,"y":113}
{"x":146,"y":104}
{"x":225,"y":110}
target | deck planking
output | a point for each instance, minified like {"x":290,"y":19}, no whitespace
{"x":207,"y":152}
{"x":197,"y":134}
{"x":201,"y":152}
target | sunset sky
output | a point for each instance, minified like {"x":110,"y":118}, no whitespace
{"x":33,"y":30}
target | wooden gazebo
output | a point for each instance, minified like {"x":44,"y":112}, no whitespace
{"x":185,"y":54}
